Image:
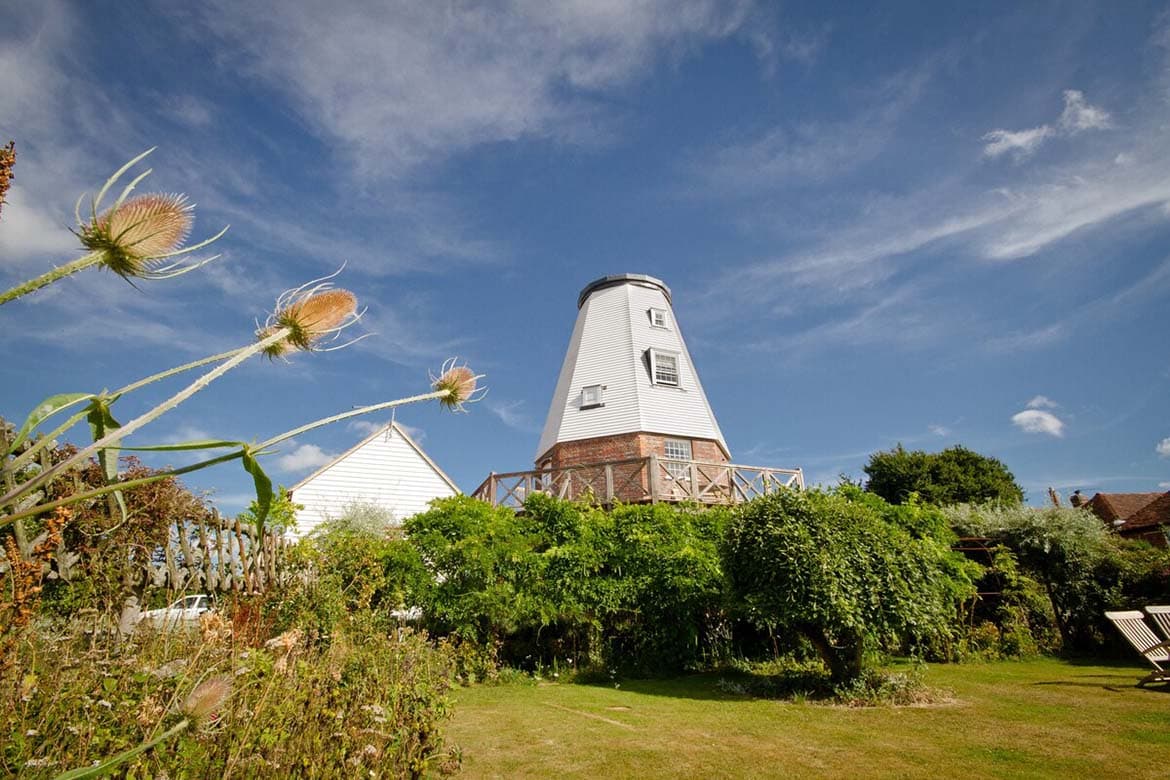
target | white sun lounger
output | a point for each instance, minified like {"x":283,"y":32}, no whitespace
{"x":1132,"y":626}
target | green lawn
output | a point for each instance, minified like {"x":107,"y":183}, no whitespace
{"x":1043,"y":718}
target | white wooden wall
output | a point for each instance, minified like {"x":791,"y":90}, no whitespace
{"x":386,"y":470}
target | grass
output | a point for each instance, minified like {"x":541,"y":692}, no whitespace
{"x":1034,"y":719}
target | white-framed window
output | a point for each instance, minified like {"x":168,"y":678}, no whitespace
{"x":676,"y":450}
{"x":664,"y":367}
{"x":658,"y":318}
{"x":592,"y":395}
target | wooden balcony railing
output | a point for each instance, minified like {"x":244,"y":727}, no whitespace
{"x":640,"y":481}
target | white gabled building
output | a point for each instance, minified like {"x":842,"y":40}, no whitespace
{"x":386,"y":469}
{"x":628,"y":387}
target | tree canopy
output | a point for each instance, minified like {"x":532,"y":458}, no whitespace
{"x":956,"y":475}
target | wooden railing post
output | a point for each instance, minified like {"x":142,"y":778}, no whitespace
{"x":653,"y":478}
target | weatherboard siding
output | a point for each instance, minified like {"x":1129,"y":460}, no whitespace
{"x":609,"y":347}
{"x":385,"y":470}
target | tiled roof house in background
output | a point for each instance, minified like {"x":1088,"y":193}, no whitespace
{"x":1150,"y":523}
{"x":1134,"y":515}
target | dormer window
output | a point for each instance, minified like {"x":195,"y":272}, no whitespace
{"x":664,"y":367}
{"x":592,"y":396}
{"x":658,"y":318}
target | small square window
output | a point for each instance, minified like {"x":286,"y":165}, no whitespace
{"x":658,"y":318}
{"x":592,"y":396}
{"x":664,"y":368}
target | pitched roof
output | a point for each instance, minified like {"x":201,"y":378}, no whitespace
{"x":390,"y":426}
{"x":1119,"y":506}
{"x":1153,"y":514}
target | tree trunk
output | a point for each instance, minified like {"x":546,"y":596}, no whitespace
{"x":844,"y":659}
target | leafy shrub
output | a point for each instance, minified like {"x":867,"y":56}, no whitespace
{"x":833,"y":569}
{"x":638,"y":588}
{"x":1083,"y":568}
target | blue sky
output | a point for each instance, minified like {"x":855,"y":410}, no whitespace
{"x":918,"y":224}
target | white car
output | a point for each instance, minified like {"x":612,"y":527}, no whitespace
{"x":184,"y":612}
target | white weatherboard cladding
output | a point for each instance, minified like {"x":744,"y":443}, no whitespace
{"x":608,"y":347}
{"x":387,"y":470}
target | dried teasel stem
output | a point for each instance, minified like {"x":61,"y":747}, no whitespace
{"x":118,"y":434}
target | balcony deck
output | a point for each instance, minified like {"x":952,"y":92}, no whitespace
{"x":645,"y":480}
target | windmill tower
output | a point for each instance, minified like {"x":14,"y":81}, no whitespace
{"x":628,"y":388}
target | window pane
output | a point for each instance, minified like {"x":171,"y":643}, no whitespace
{"x":665,"y":369}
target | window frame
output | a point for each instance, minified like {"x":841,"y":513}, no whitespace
{"x":600,"y":398}
{"x":678,"y":469}
{"x":656,"y":356}
{"x":654,"y":314}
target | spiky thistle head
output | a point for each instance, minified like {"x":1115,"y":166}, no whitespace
{"x":137,"y":237}
{"x":134,"y":235}
{"x":460,"y":385}
{"x":314,"y":313}
{"x":207,"y":698}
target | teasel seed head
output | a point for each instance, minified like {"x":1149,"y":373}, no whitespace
{"x":137,"y":238}
{"x":207,"y":698}
{"x":460,"y":383}
{"x":133,"y":235}
{"x":314,"y":314}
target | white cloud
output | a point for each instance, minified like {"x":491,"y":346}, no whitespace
{"x":28,"y":232}
{"x":511,"y":415}
{"x":1164,"y":484}
{"x":403,"y":84}
{"x":939,"y":430}
{"x":1021,"y":143}
{"x":1042,"y":402}
{"x":1036,"y":421}
{"x":418,"y":434}
{"x":304,"y":458}
{"x":1163,"y":447}
{"x":813,"y":150}
{"x":365,"y":427}
{"x":1079,"y":116}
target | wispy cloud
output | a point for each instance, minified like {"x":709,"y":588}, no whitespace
{"x":1163,"y":447}
{"x":1021,"y":143}
{"x":939,"y":430}
{"x":810,"y":150}
{"x":1041,"y":402}
{"x":1077,"y":117}
{"x":407,"y":84}
{"x":1037,"y":421}
{"x":512,"y":414}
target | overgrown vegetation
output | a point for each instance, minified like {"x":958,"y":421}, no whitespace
{"x":85,"y":520}
{"x":1080,"y":567}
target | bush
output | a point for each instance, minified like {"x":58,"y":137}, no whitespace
{"x":639,"y":588}
{"x":1083,"y":568}
{"x":831,"y":567}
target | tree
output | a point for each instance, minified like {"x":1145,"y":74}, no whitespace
{"x":956,"y":475}
{"x":841,"y":574}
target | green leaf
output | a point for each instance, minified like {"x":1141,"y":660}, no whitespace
{"x":44,"y":410}
{"x":194,"y":444}
{"x":263,"y":490}
{"x":101,"y":423}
